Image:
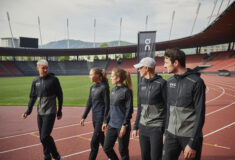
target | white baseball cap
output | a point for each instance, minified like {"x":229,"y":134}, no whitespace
{"x":147,"y":61}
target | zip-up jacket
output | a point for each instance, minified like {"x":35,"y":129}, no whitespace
{"x":121,"y":106}
{"x":46,"y":89}
{"x":152,"y":103}
{"x":186,"y":106}
{"x":99,"y":102}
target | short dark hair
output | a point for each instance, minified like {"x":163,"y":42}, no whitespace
{"x":176,"y":54}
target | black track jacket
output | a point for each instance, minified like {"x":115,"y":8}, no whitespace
{"x":99,"y":102}
{"x":186,"y":106}
{"x":46,"y":89}
{"x":152,"y":103}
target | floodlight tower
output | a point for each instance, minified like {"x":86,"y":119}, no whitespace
{"x":146,"y":23}
{"x":198,"y":8}
{"x":12,"y":40}
{"x":172,"y":20}
{"x":120,"y":33}
{"x":67,"y":33}
{"x":39,"y":27}
{"x":94,"y":32}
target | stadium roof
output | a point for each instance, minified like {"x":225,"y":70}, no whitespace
{"x":222,"y":30}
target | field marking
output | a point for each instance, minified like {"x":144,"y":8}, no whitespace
{"x":34,"y":134}
{"x":29,"y":133}
{"x":208,"y":134}
{"x":216,"y":145}
{"x":207,"y":89}
{"x":217,"y":96}
{"x":29,"y":146}
{"x":84,"y":138}
{"x":228,"y":85}
{"x":220,"y":109}
{"x":225,"y":93}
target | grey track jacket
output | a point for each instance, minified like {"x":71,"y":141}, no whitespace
{"x":186,"y":105}
{"x":152,"y":102}
{"x":46,"y":89}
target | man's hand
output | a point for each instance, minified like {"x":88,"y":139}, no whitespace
{"x":189,"y":152}
{"x":122,"y":131}
{"x":163,"y":138}
{"x":59,"y":117}
{"x":24,"y":115}
{"x":82,"y":122}
{"x":104,"y":127}
{"x":134,"y":133}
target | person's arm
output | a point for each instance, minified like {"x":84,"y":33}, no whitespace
{"x":128,"y":114}
{"x":106,"y":104}
{"x":88,"y":106}
{"x":164,"y":99}
{"x":137,"y":120}
{"x":129,"y":108}
{"x":199,"y":104}
{"x":59,"y":95}
{"x":32,"y":100}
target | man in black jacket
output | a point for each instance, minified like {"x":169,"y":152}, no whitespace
{"x":46,"y":88}
{"x":185,"y":109}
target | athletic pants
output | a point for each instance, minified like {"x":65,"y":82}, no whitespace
{"x":45,"y":126}
{"x":174,"y":145}
{"x":151,"y":145}
{"x":112,"y":134}
{"x":97,"y":138}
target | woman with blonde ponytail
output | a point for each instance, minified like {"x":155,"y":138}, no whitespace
{"x":121,"y":108}
{"x":99,"y":102}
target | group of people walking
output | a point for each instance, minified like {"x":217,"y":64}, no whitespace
{"x":170,"y":114}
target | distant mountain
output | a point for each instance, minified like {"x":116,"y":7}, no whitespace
{"x":81,"y":44}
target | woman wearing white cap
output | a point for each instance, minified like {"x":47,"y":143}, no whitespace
{"x":150,"y":118}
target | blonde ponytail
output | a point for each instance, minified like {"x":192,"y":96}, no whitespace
{"x":128,"y":81}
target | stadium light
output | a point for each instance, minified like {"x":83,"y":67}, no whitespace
{"x":12,"y":40}
{"x":172,"y":20}
{"x":39,"y":27}
{"x":94,"y":32}
{"x":146,"y":23}
{"x":67,"y":33}
{"x":198,"y":8}
{"x":215,"y":2}
{"x":220,"y":7}
{"x":228,"y":3}
{"x":119,"y":43}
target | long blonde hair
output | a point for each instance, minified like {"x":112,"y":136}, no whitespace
{"x":101,"y":73}
{"x":125,"y":77}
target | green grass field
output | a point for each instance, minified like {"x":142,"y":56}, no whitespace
{"x":14,"y":91}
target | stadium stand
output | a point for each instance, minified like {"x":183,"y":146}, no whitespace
{"x":159,"y":65}
{"x":127,"y":64}
{"x":111,"y":65}
{"x":13,"y":70}
{"x":223,"y":60}
{"x":3,"y":72}
{"x":28,"y":68}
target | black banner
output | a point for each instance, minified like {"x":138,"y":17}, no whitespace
{"x":146,"y":44}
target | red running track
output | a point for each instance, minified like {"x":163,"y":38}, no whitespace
{"x":19,"y":138}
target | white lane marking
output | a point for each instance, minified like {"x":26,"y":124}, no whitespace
{"x":71,"y":125}
{"x":61,"y":139}
{"x":220,"y":109}
{"x":218,"y":95}
{"x":220,"y":129}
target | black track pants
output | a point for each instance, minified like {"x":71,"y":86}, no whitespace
{"x":151,"y":145}
{"x":97,"y":138}
{"x":174,"y":145}
{"x":112,"y":134}
{"x":45,"y":126}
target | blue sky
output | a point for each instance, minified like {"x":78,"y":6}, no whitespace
{"x":81,"y":14}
